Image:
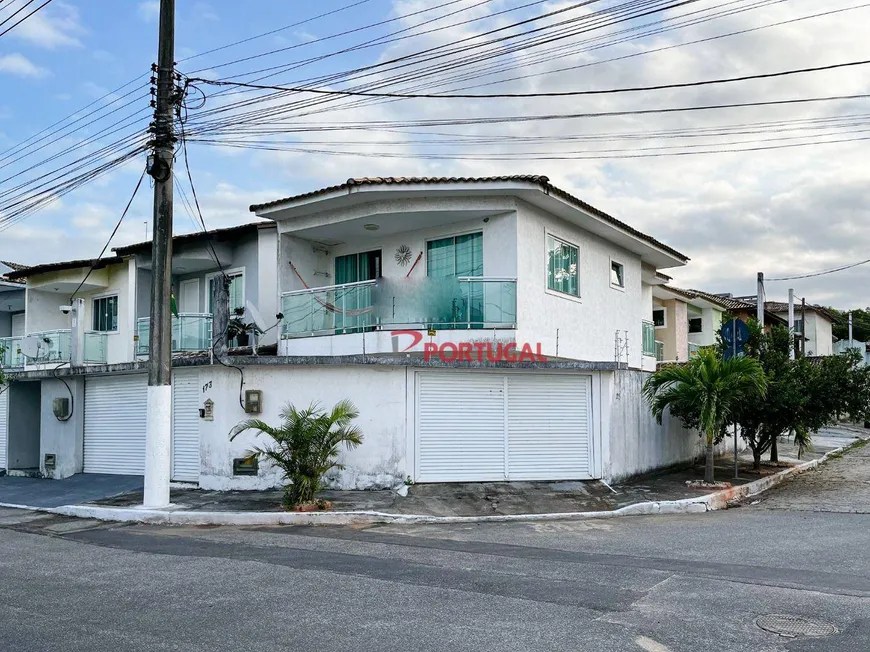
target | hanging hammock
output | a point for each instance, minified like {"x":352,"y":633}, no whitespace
{"x":331,"y":307}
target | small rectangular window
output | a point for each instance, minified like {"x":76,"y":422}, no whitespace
{"x":106,"y":314}
{"x":617,"y":274}
{"x":659,"y":317}
{"x":798,"y":325}
{"x":562,"y":274}
{"x":696,"y":325}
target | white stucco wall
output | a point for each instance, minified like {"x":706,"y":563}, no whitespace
{"x":43,"y":313}
{"x":378,"y":392}
{"x":634,"y":442}
{"x":63,"y":438}
{"x":267,"y":281}
{"x":587,"y":325}
{"x":819,"y":330}
{"x":119,"y":342}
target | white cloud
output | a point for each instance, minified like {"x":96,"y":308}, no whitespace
{"x":148,"y":11}
{"x":20,"y":66}
{"x":58,"y":25}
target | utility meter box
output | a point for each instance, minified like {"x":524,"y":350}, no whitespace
{"x":253,"y":401}
{"x":60,"y":408}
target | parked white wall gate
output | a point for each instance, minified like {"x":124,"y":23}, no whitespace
{"x":115,"y":413}
{"x":185,"y":425}
{"x":480,"y":426}
{"x":4,"y":412}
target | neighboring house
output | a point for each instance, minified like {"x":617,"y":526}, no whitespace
{"x":841,"y":346}
{"x":814,"y":322}
{"x":487,"y":329}
{"x":684,"y":321}
{"x":12,"y":304}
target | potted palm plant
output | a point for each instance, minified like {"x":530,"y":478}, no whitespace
{"x":240,"y":331}
{"x":305,"y":447}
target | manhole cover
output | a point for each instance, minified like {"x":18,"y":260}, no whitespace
{"x":785,"y":625}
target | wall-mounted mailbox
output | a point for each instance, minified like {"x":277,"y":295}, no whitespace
{"x":207,"y":410}
{"x":60,"y":407}
{"x":50,"y":462}
{"x":253,"y":401}
{"x":246,"y":466}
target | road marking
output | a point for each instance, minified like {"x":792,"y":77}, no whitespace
{"x":650,"y":645}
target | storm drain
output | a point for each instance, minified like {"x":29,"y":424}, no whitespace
{"x":792,"y":626}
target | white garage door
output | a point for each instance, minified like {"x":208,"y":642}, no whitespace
{"x":4,"y":401}
{"x":115,"y":412}
{"x":482,"y":426}
{"x":185,"y":425}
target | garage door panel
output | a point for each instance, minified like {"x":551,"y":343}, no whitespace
{"x":185,"y":426}
{"x":460,"y":421}
{"x":468,"y":423}
{"x":549,"y":427}
{"x":115,"y":415}
{"x":4,"y":420}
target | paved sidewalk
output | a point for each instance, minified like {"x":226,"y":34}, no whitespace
{"x":841,"y":485}
{"x":506,"y":498}
{"x":81,"y":488}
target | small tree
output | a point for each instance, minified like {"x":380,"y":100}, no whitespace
{"x":305,"y":446}
{"x":704,"y":393}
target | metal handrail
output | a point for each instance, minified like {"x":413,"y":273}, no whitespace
{"x":327,"y":288}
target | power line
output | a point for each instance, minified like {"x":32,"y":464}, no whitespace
{"x":608,"y":91}
{"x":822,"y":273}
{"x":274,"y":31}
{"x":114,"y":231}
{"x":15,"y":13}
{"x":14,"y":25}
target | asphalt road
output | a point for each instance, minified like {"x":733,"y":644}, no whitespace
{"x":653,"y":584}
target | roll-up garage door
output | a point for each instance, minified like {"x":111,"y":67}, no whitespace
{"x":549,"y":427}
{"x":185,"y":425}
{"x":484,"y":427}
{"x":460,"y":420}
{"x":115,"y":414}
{"x":4,"y":420}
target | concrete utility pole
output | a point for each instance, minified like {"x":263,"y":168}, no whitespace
{"x":759,"y":309}
{"x":850,"y":328}
{"x":158,"y":434}
{"x":791,"y":323}
{"x":803,"y":326}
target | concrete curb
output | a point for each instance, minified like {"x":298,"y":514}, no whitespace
{"x":701,"y":504}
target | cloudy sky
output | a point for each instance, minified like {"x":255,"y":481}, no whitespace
{"x":785,"y":205}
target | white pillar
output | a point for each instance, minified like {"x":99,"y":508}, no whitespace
{"x":158,"y":441}
{"x":77,"y":333}
{"x":760,"y":300}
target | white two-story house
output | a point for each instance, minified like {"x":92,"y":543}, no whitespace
{"x":488,"y":329}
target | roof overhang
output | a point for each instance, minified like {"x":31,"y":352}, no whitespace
{"x":536,"y":193}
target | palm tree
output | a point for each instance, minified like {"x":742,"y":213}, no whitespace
{"x":305,"y":446}
{"x":704,"y":393}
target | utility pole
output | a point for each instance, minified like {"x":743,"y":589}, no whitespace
{"x":791,"y":323}
{"x":850,"y":329}
{"x":759,"y":308}
{"x":158,"y":434}
{"x":803,"y":326}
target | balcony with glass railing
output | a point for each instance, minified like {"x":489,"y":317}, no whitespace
{"x":649,"y":338}
{"x":660,"y":351}
{"x":190,"y":332}
{"x":11,"y":356}
{"x":463,"y":302}
{"x":52,"y":346}
{"x":96,"y":349}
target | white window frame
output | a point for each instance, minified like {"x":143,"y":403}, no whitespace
{"x":547,"y":289}
{"x":615,"y":286}
{"x":229,"y":272}
{"x":665,"y":314}
{"x":105,"y":295}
